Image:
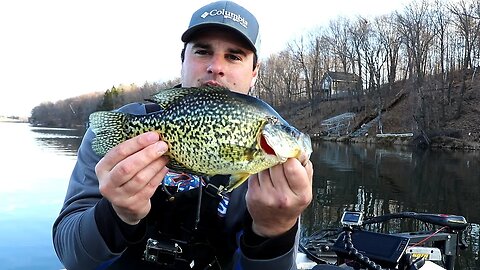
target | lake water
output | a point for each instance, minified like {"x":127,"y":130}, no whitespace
{"x":37,"y":162}
{"x":381,"y":180}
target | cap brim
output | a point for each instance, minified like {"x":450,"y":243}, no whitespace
{"x":190,"y":33}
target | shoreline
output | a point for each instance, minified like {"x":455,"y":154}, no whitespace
{"x":11,"y":120}
{"x":440,"y":142}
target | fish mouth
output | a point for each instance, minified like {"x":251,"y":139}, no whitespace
{"x":300,"y":148}
{"x":266,"y":146}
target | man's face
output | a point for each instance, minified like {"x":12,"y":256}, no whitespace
{"x":218,"y":58}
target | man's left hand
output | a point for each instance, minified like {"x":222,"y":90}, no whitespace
{"x":277,"y":196}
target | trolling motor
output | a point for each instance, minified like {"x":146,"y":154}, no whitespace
{"x":454,"y":222}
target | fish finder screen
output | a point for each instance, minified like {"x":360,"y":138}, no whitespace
{"x":382,"y":248}
{"x":352,"y":218}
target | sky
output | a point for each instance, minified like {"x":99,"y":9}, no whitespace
{"x":55,"y":49}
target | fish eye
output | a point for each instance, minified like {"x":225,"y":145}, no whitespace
{"x":292,"y":131}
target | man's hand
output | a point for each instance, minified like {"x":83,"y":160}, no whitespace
{"x":129,"y":174}
{"x":277,"y":196}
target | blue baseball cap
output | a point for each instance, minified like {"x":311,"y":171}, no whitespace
{"x":229,"y":15}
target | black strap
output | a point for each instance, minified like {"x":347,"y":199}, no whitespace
{"x":215,"y":186}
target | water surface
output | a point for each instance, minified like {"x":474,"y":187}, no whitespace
{"x":381,"y":180}
{"x":37,"y":162}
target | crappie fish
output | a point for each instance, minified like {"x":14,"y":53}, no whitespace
{"x":209,"y":131}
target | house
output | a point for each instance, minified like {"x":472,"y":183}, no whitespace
{"x":340,"y":84}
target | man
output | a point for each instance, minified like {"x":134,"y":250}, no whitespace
{"x":116,"y":203}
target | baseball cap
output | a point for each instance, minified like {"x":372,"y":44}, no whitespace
{"x":226,"y":14}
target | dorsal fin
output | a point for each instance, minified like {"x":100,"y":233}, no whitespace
{"x":169,"y":96}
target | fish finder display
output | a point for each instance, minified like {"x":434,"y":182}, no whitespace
{"x":352,"y":218}
{"x":382,"y":248}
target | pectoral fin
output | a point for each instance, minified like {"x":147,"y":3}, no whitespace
{"x":236,"y":180}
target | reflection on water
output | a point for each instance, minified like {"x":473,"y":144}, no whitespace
{"x":387,"y":180}
{"x":37,"y":163}
{"x":62,"y":140}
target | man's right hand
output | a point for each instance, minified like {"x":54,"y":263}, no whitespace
{"x":130,"y":173}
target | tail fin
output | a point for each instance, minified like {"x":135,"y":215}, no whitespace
{"x":109,"y":128}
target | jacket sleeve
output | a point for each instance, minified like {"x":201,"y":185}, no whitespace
{"x":256,"y":252}
{"x":286,"y":260}
{"x":77,"y":236}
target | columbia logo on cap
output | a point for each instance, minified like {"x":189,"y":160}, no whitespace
{"x":229,"y":15}
{"x":226,"y":15}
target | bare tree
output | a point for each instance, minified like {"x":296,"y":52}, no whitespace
{"x":279,"y":79}
{"x":417,"y":33}
{"x":340,"y":43}
{"x":390,"y":38}
{"x":467,"y":23}
{"x":299,"y":51}
{"x":359,"y":33}
{"x":441,"y":20}
{"x":306,"y":52}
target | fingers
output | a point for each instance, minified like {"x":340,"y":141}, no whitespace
{"x":130,"y":173}
{"x":277,"y":196}
{"x":299,"y":176}
{"x":289,"y":177}
{"x":147,"y":177}
{"x":127,"y":148}
{"x":283,"y":186}
{"x":304,"y":158}
{"x":136,"y":201}
{"x":126,"y":160}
